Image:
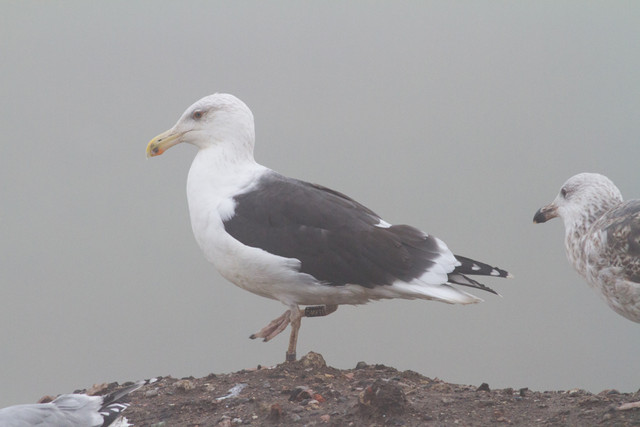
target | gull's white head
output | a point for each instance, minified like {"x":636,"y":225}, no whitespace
{"x":581,"y":200}
{"x":215,"y":120}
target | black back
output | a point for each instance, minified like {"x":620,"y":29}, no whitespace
{"x":335,"y":237}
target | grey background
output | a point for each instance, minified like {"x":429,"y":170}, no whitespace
{"x":461,"y":118}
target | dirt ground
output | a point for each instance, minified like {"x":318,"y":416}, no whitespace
{"x":308,"y":393}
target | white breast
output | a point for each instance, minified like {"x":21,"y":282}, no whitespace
{"x":210,"y":194}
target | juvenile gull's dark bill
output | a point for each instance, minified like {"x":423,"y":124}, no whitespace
{"x":602,"y":238}
{"x":296,"y":242}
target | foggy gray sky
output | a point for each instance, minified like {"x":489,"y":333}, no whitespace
{"x":460,"y":118}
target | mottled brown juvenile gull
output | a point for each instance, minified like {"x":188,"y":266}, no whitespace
{"x":300,"y":243}
{"x":602,"y":238}
{"x":72,"y":410}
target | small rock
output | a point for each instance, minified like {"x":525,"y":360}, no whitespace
{"x":300,"y":393}
{"x":361,"y":365}
{"x":441,"y":387}
{"x":588,"y":401}
{"x":483,"y":387}
{"x":523,"y":391}
{"x":325,"y":418}
{"x":575,"y":392}
{"x":151,"y":393}
{"x":313,"y":360}
{"x":185,"y":385}
{"x":294,"y":418}
{"x":97,"y":389}
{"x":382,"y":398}
{"x":500,"y":416}
{"x":275,"y":413}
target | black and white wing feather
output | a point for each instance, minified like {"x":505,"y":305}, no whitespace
{"x":339,"y":241}
{"x":71,"y":410}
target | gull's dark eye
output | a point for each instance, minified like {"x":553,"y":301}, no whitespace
{"x":197,"y":115}
{"x":563,"y":192}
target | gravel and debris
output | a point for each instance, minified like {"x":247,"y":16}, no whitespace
{"x":309,"y":393}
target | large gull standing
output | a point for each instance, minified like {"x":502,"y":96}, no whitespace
{"x":72,"y":410}
{"x":296,"y":242}
{"x":602,"y":238}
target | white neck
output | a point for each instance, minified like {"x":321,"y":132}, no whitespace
{"x":217,"y":174}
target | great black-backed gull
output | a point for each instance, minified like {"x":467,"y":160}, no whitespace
{"x":296,"y":242}
{"x":72,"y":410}
{"x":602,"y":238}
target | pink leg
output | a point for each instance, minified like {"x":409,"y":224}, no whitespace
{"x":293,"y":338}
{"x":274,"y":328}
{"x":293,"y":316}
